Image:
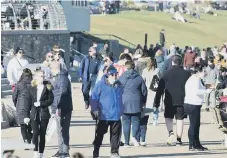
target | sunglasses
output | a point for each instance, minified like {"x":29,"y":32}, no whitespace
{"x":50,"y":56}
{"x":105,"y":60}
{"x":113,"y":74}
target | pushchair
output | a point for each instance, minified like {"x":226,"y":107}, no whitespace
{"x":220,"y":115}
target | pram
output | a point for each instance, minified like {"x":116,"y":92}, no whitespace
{"x":220,"y":114}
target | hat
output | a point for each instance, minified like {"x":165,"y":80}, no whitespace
{"x":111,"y":70}
{"x":18,"y":49}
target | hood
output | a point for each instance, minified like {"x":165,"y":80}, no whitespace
{"x":131,"y":74}
{"x":159,"y":59}
{"x":26,"y":80}
{"x":212,"y":66}
{"x":64,"y":72}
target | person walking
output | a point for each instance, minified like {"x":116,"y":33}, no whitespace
{"x":23,"y":104}
{"x":107,"y":107}
{"x":42,"y":98}
{"x":17,"y":62}
{"x":194,"y":94}
{"x":162,"y":38}
{"x":62,"y":108}
{"x":134,"y":99}
{"x":88,"y":73}
{"x":172,"y":83}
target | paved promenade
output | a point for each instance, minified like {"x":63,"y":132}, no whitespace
{"x":82,"y":134}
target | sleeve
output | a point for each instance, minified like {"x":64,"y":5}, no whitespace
{"x":144,"y":92}
{"x":82,"y":68}
{"x":159,"y":93}
{"x":15,"y":96}
{"x":49,"y":100}
{"x":10,"y":71}
{"x":144,"y":75}
{"x":95,"y":97}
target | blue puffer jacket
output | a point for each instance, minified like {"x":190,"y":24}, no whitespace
{"x":107,"y":100}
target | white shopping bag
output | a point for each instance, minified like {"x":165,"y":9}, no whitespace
{"x":52,"y":126}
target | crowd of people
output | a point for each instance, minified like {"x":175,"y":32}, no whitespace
{"x":123,"y":93}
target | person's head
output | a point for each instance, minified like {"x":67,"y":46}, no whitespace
{"x":210,"y":61}
{"x":145,"y":47}
{"x":19,"y":52}
{"x":39,"y":76}
{"x":176,"y":60}
{"x":163,"y":31}
{"x":125,"y":57}
{"x":151,"y":46}
{"x":198,"y":71}
{"x":106,"y":45}
{"x":151,"y":64}
{"x":130,"y":65}
{"x":108,"y":60}
{"x":223,"y":71}
{"x":55,"y":68}
{"x":55,"y":48}
{"x":26,"y":74}
{"x":95,"y":45}
{"x":49,"y":57}
{"x":92,"y":52}
{"x":111,"y":74}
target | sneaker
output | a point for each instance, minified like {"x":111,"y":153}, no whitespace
{"x":126,"y":146}
{"x":143,"y":143}
{"x":121,"y":144}
{"x":191,"y":148}
{"x":115,"y":155}
{"x":135,"y":142}
{"x":66,"y":155}
{"x":155,"y":123}
{"x":179,"y":143}
{"x":41,"y":155}
{"x":207,"y":109}
{"x":170,"y":139}
{"x":57,"y":155}
{"x":96,"y":152}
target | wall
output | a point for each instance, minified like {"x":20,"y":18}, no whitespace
{"x":77,"y":18}
{"x":36,"y":43}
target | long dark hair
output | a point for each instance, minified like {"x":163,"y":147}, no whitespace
{"x":154,"y":64}
{"x":27,"y":73}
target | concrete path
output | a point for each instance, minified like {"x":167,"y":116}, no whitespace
{"x":82,"y":135}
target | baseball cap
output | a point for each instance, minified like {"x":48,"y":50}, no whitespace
{"x":111,"y":70}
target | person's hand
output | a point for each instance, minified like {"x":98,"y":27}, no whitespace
{"x":37,"y":104}
{"x":26,"y":121}
{"x":95,"y":115}
{"x":58,"y":112}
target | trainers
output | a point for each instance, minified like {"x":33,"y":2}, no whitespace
{"x":135,"y":142}
{"x":126,"y":146}
{"x":143,"y":144}
{"x":35,"y":154}
{"x":155,"y":123}
{"x":66,"y":155}
{"x":179,"y":143}
{"x":121,"y":144}
{"x":96,"y":152}
{"x":170,"y":139}
{"x":41,"y":155}
{"x":115,"y":155}
{"x":57,"y":155}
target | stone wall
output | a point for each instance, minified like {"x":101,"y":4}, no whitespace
{"x":37,"y":43}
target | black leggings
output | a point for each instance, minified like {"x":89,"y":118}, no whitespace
{"x":39,"y":132}
{"x":26,"y":132}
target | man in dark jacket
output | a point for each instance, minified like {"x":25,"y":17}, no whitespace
{"x":62,"y":107}
{"x":162,"y":37}
{"x":107,"y":107}
{"x":134,"y":98}
{"x":173,"y":83}
{"x":88,"y":73}
{"x":151,"y":52}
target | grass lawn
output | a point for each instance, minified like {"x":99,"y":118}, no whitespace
{"x":208,"y":31}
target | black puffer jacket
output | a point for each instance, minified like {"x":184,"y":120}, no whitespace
{"x":22,"y":99}
{"x":46,"y":99}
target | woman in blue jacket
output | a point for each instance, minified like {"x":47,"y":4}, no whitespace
{"x":106,"y":106}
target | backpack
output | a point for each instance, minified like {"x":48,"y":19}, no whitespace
{"x":154,"y":83}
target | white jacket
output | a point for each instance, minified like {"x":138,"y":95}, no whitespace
{"x":13,"y":67}
{"x":194,"y":91}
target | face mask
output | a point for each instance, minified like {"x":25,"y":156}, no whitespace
{"x":112,"y":80}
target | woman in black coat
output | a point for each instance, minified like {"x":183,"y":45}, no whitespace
{"x":42,"y":97}
{"x":22,"y":101}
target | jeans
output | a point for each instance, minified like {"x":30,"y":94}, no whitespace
{"x":210,"y":99}
{"x":39,"y":132}
{"x":115,"y":134}
{"x":63,"y":124}
{"x":26,"y":132}
{"x":128,"y":120}
{"x":194,"y":127}
{"x":155,"y":115}
{"x":143,"y":129}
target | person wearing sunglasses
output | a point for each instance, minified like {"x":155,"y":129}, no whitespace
{"x":107,"y":107}
{"x":17,"y":62}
